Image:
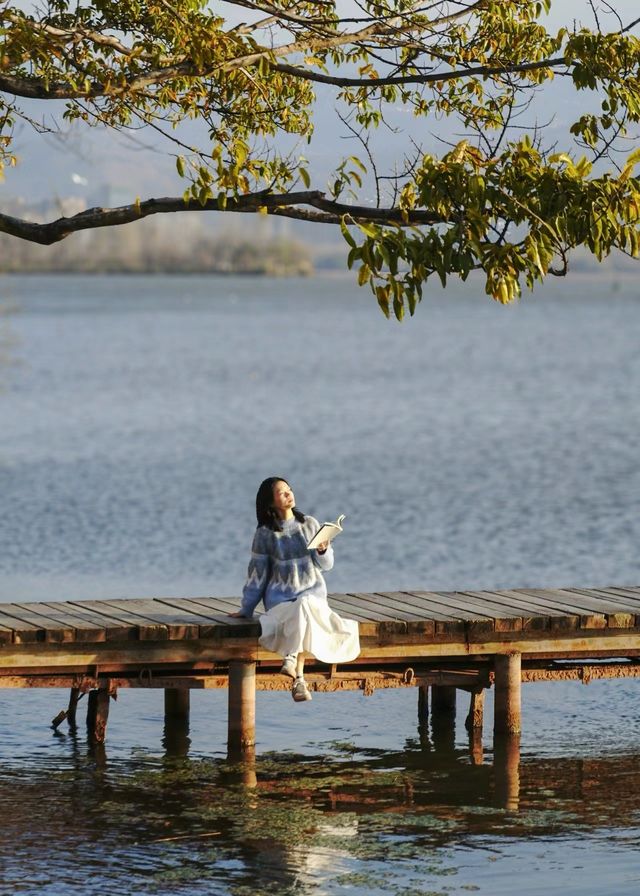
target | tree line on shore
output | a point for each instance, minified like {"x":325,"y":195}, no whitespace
{"x":151,"y":247}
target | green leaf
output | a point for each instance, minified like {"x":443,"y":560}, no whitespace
{"x":363,"y":275}
{"x":369,"y":230}
{"x":382,"y":295}
{"x":346,"y":234}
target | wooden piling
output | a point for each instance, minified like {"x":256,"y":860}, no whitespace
{"x":74,"y":696}
{"x":443,"y":700}
{"x":242,"y":708}
{"x":508,"y":681}
{"x":97,"y":715}
{"x":423,"y":705}
{"x":176,"y":703}
{"x":475,"y":718}
{"x":176,"y":738}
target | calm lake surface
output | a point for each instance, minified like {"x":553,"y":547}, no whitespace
{"x":473,"y":446}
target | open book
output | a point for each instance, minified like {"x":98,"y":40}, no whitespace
{"x":326,"y":532}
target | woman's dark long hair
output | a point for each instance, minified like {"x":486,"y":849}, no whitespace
{"x":266,"y":513}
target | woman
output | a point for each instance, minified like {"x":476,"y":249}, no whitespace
{"x":287,"y":577}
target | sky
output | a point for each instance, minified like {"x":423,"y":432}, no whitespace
{"x":132,"y":165}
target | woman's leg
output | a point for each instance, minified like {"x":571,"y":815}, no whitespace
{"x":300,"y":690}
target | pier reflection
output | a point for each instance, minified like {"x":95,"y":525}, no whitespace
{"x":506,"y":765}
{"x":292,"y":820}
{"x":175,"y":738}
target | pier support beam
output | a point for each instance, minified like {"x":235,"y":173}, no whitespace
{"x":242,"y":709}
{"x":507,"y":714}
{"x":97,"y":715}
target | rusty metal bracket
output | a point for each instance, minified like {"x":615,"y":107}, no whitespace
{"x":145,"y":675}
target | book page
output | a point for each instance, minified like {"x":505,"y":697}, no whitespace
{"x":326,"y":532}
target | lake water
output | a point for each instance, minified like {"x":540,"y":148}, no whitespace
{"x":473,"y":446}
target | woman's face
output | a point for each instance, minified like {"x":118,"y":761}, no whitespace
{"x":283,"y":498}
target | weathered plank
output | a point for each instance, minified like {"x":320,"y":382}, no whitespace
{"x":22,"y":632}
{"x":557,"y":620}
{"x":210,"y":621}
{"x":118,"y":611}
{"x":6,"y":634}
{"x":417,"y":621}
{"x":218,"y":605}
{"x":446,"y":624}
{"x":535,"y":614}
{"x":402,"y":606}
{"x":619,"y":612}
{"x":83,"y":630}
{"x":154,"y":616}
{"x":481,"y":615}
{"x":613,"y":614}
{"x":510,"y":616}
{"x":626,"y":591}
{"x":420,"y":603}
{"x":620,"y":597}
{"x":56,"y":630}
{"x":477,"y":622}
{"x":384,"y":607}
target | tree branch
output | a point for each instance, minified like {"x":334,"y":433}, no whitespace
{"x":284,"y":205}
{"x":418,"y":79}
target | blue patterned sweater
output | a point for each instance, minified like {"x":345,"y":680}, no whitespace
{"x":283,"y":568}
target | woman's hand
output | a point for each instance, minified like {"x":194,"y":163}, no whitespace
{"x":237,"y":615}
{"x":322,"y":548}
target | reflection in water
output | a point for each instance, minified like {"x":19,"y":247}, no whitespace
{"x":506,"y":764}
{"x":372,"y":821}
{"x":476,"y":747}
{"x":175,"y":739}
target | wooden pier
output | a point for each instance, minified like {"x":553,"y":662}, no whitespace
{"x":437,"y":642}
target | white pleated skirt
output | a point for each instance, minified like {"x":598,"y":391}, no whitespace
{"x":309,"y":625}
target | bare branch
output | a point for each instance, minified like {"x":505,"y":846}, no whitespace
{"x":282,"y":205}
{"x":483,"y":70}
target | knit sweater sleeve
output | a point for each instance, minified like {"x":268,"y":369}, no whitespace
{"x":258,"y":572}
{"x":322,"y":561}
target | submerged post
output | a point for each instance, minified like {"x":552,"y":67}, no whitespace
{"x":98,"y":715}
{"x":242,"y":708}
{"x":423,"y":705}
{"x":74,"y":696}
{"x":475,"y":719}
{"x":443,"y":700}
{"x":507,"y":713}
{"x":443,"y":717}
{"x":176,"y":704}
{"x":473,"y":724}
{"x":176,"y":721}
